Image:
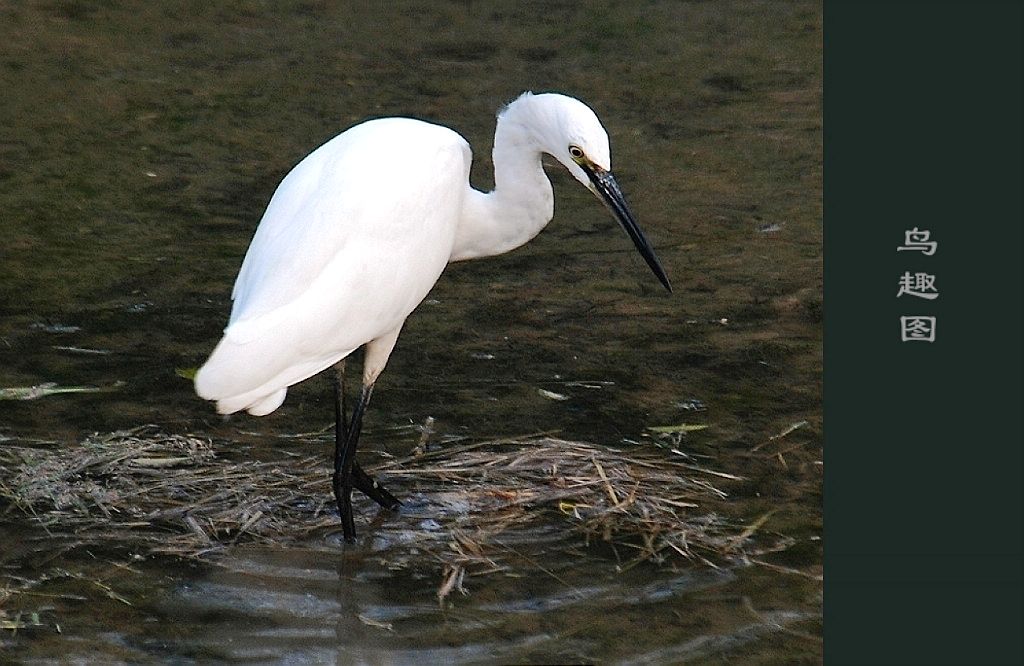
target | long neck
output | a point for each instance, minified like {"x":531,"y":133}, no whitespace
{"x":520,"y":205}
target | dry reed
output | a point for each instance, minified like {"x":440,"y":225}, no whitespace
{"x":173,"y":494}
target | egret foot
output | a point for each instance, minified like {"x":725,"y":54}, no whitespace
{"x":372,"y":488}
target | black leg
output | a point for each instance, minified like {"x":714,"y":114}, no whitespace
{"x":344,"y":457}
{"x":347,"y":472}
{"x":360,"y":479}
{"x":340,"y":412}
{"x":341,"y":442}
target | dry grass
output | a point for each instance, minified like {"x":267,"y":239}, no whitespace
{"x":172,"y":494}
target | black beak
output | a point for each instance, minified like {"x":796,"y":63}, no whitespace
{"x":606,"y":188}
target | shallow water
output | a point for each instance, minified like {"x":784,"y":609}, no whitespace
{"x":142,"y":144}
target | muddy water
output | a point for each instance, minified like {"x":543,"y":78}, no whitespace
{"x":141,"y":144}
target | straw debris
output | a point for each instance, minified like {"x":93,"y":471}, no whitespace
{"x":468,"y":504}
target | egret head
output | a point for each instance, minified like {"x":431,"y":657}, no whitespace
{"x":569,"y":130}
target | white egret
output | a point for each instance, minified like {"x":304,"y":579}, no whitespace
{"x":361,"y":229}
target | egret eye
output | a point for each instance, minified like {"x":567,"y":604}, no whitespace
{"x":576,"y":152}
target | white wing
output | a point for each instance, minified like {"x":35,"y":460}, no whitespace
{"x":351,"y":242}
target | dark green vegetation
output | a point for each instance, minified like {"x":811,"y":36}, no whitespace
{"x":142,"y":143}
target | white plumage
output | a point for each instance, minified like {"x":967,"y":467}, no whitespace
{"x":352,"y":241}
{"x":360,"y":230}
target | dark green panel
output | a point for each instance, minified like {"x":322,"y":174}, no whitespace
{"x":923,"y":440}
